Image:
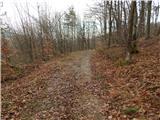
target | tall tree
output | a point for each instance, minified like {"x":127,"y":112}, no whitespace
{"x":70,"y":22}
{"x":130,"y":31}
{"x":105,"y":21}
{"x":149,"y":5}
{"x":110,"y":24}
{"x":141,"y":20}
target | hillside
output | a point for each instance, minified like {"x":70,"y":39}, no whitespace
{"x":131,"y":90}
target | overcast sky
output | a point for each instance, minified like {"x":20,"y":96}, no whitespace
{"x":55,"y":5}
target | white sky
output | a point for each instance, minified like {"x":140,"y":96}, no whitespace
{"x":55,"y":5}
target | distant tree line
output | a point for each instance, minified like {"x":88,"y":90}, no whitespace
{"x":48,"y":34}
{"x":43,"y":37}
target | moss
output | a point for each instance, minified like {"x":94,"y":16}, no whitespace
{"x":134,"y":49}
{"x":121,"y":62}
{"x":130,"y":110}
{"x":18,"y":70}
{"x":6,"y":104}
{"x":99,"y":77}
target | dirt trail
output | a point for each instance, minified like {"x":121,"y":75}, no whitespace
{"x":90,"y":105}
{"x":59,"y":91}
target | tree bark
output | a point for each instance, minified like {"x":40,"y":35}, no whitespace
{"x":110,"y":24}
{"x":141,"y":21}
{"x":105,"y":21}
{"x":130,"y":31}
{"x":148,"y":19}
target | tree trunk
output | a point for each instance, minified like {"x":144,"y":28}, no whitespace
{"x":130,"y":31}
{"x":141,"y":21}
{"x":105,"y":21}
{"x":110,"y":24}
{"x":148,"y":19}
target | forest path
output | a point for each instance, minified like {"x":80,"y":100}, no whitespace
{"x":89,"y":106}
{"x":60,"y":90}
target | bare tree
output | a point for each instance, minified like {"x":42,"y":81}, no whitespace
{"x":141,"y":20}
{"x":110,"y":24}
{"x":130,"y":31}
{"x":149,"y":5}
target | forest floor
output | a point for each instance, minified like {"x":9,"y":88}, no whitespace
{"x":132,"y":90}
{"x":88,"y":85}
{"x":61,"y":89}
